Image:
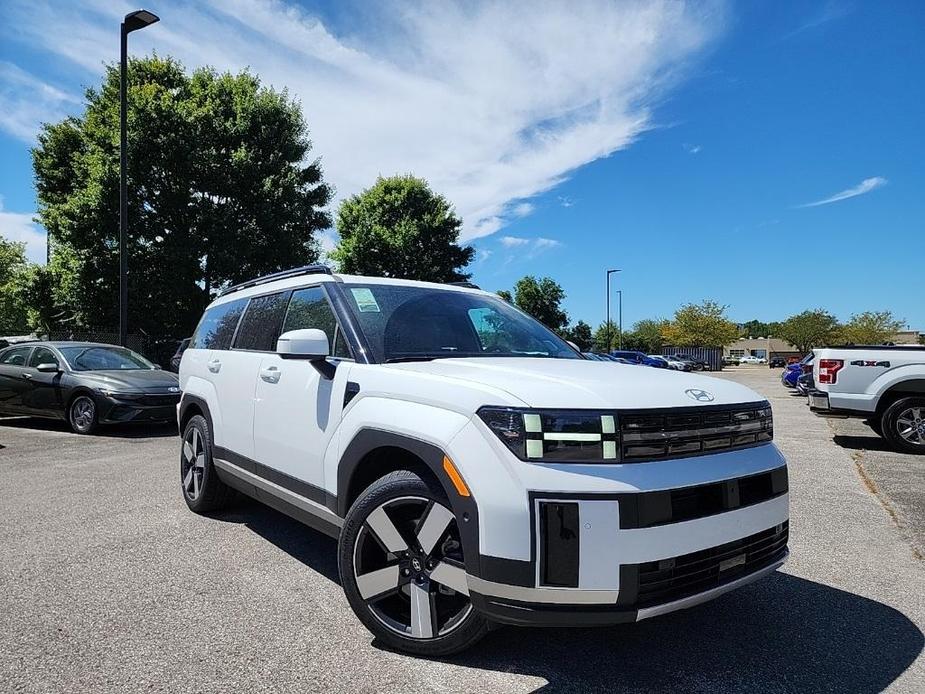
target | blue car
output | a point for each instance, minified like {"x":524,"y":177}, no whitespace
{"x":640,"y":358}
{"x":792,"y":372}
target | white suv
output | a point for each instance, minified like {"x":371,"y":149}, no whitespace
{"x":474,"y":467}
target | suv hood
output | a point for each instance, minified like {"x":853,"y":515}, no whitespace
{"x":579,"y":383}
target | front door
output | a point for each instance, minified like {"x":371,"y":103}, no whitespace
{"x":297,"y":411}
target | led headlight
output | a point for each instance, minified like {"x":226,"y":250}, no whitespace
{"x":118,"y":394}
{"x":555,"y":435}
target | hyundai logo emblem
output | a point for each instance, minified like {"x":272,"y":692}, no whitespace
{"x":699,"y":395}
{"x":173,"y":389}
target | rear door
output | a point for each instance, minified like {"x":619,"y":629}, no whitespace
{"x":297,"y":411}
{"x":14,"y":379}
{"x":45,"y":395}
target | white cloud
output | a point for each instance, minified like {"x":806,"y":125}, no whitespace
{"x":28,"y":102}
{"x":491,"y":103}
{"x":865,"y":186}
{"x":522,"y":209}
{"x":483,"y":254}
{"x":513,"y":241}
{"x":692,"y":149}
{"x":19,"y":227}
{"x":542,"y":244}
{"x":566,"y":201}
{"x":328,"y":241}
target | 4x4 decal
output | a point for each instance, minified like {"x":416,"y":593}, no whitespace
{"x":862,"y":362}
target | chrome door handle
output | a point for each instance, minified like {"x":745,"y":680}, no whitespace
{"x":270,"y":374}
{"x":28,"y":377}
{"x":215,"y":366}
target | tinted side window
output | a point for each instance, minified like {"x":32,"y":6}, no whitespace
{"x":43,"y":355}
{"x":217,"y":326}
{"x":309,"y":308}
{"x":262,"y":322}
{"x":16,"y":356}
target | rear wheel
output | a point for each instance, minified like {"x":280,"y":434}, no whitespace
{"x":401,"y":565}
{"x":202,"y":490}
{"x":903,"y":425}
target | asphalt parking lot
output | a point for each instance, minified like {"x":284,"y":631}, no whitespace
{"x":108,"y":583}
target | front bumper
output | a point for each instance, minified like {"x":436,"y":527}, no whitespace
{"x":154,"y":407}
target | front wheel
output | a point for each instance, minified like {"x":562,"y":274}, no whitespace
{"x":82,"y":415}
{"x":903,"y":425}
{"x":402,"y":569}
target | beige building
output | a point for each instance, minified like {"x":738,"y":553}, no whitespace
{"x":767,"y":347}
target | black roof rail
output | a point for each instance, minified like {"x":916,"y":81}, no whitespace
{"x":314,"y":269}
{"x":467,"y":285}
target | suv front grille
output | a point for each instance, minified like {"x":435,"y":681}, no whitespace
{"x":672,"y":579}
{"x":653,"y":436}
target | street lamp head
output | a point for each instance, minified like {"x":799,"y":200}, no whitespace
{"x":138,"y":19}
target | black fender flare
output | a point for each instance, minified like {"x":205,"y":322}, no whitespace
{"x":185,"y":401}
{"x":464,"y":507}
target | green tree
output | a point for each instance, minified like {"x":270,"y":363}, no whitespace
{"x":646,"y":336}
{"x":811,"y":328}
{"x":606,"y":337}
{"x":400,"y":228}
{"x":542,"y":299}
{"x":218,"y":192}
{"x":13,"y":265}
{"x":506,"y":295}
{"x":581,"y":335}
{"x":700,"y":325}
{"x":871,"y":328}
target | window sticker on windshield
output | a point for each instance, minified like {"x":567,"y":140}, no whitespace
{"x":366,"y":302}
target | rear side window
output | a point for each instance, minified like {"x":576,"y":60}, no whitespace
{"x":262,"y":322}
{"x":309,"y":308}
{"x":16,"y":356}
{"x":218,"y":325}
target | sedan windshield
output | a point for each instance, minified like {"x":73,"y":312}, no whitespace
{"x":407,"y":323}
{"x":98,"y":358}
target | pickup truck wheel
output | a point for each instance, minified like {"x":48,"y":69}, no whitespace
{"x":903,"y":425}
{"x":401,"y":566}
{"x":202,"y":490}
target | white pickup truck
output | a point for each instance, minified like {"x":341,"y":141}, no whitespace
{"x":885,"y":384}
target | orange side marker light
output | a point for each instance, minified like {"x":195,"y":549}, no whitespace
{"x":455,"y":477}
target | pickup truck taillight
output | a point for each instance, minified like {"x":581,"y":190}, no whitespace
{"x":828,"y":370}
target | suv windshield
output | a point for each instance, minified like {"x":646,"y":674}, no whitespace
{"x":96,"y":358}
{"x":407,"y":323}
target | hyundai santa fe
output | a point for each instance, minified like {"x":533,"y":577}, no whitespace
{"x":474,"y":467}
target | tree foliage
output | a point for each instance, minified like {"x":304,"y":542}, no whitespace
{"x":871,"y":328}
{"x":757,"y":328}
{"x":581,"y":335}
{"x":400,"y":228}
{"x":542,"y":299}
{"x":700,"y":325}
{"x":646,"y":336}
{"x":13,"y":266}
{"x":218,"y":192}
{"x":811,"y":328}
{"x":606,"y":337}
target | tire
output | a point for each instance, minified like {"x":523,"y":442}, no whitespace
{"x":400,"y":562}
{"x":903,"y":425}
{"x":202,"y":489}
{"x":82,"y":414}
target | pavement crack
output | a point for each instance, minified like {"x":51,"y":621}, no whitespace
{"x":857,"y":457}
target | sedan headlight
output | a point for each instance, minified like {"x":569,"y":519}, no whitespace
{"x":555,"y":435}
{"x":118,"y":394}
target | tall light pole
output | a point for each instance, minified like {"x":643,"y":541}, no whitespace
{"x":620,"y":314}
{"x":609,"y":329}
{"x":133,"y":21}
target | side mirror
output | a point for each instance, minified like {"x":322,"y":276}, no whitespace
{"x":48,"y":368}
{"x":310,"y":344}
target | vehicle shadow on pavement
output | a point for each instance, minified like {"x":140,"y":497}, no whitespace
{"x":780,"y":634}
{"x":131,"y":430}
{"x":862,"y":443}
{"x":311,"y":547}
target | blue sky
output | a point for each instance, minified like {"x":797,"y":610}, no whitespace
{"x":766,"y":155}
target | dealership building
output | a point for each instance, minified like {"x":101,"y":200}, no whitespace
{"x":768,"y":347}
